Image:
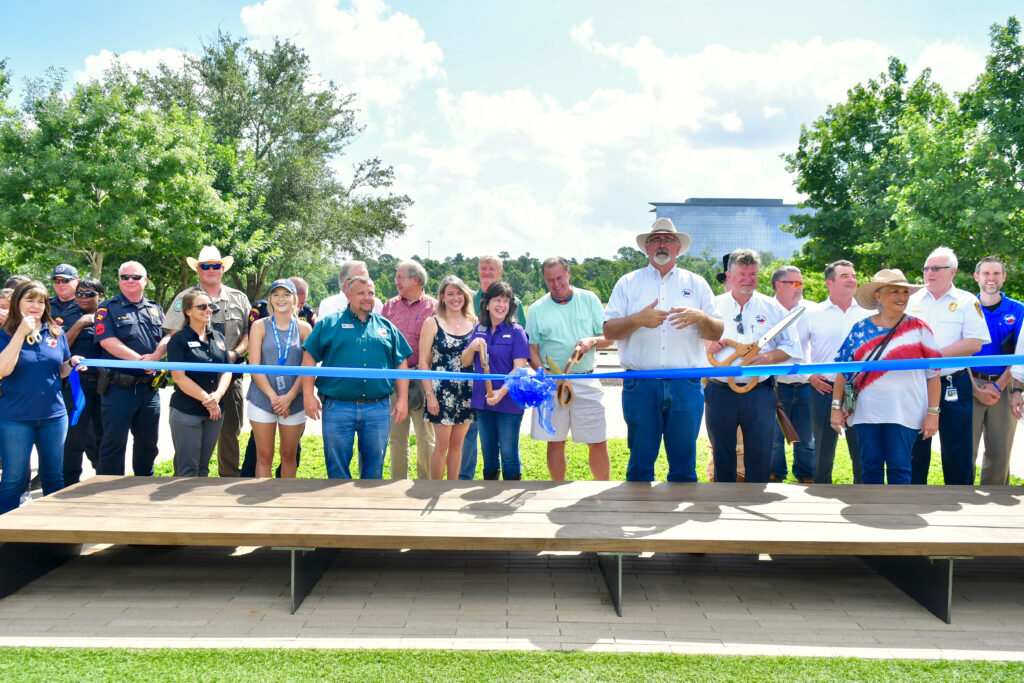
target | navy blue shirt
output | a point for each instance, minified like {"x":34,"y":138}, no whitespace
{"x":32,"y":390}
{"x":186,"y":347}
{"x":85,"y":344}
{"x":137,"y":324}
{"x":58,"y":308}
{"x":1004,"y":324}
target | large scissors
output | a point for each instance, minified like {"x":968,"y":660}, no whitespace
{"x":746,"y":352}
{"x":564,"y":393}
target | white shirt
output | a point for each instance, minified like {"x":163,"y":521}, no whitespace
{"x":339,"y":302}
{"x":802,"y":335}
{"x":827,"y":327}
{"x":1017,"y":371}
{"x":758,"y":316}
{"x":954,"y":316}
{"x":664,"y":346}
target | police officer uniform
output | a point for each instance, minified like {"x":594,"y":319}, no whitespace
{"x":954,"y":316}
{"x":130,"y":402}
{"x":85,"y":436}
{"x":58,"y":308}
{"x":229,"y":318}
{"x":259,"y":310}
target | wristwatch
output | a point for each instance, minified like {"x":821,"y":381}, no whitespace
{"x":1016,"y":390}
{"x":836,"y":405}
{"x":933,"y":409}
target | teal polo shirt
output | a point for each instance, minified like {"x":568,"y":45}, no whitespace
{"x":342,"y":340}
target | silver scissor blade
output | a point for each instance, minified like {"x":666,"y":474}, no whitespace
{"x":778,"y":328}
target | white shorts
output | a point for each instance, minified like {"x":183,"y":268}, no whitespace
{"x":267,"y":416}
{"x":584,"y":416}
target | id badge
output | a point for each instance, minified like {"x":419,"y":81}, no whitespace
{"x":951,"y":395}
{"x":281,"y":387}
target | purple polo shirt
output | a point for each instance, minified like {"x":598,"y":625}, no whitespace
{"x":408,"y":317}
{"x":504,"y":346}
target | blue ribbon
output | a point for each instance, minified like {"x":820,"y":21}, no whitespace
{"x":77,"y":395}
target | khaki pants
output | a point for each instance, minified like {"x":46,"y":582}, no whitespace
{"x":741,"y":471}
{"x":398,"y":443}
{"x":997,"y":424}
{"x":228,"y":451}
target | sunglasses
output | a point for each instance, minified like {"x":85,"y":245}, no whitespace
{"x":203,"y":307}
{"x":210,"y":266}
{"x":739,"y":322}
{"x":662,"y":240}
{"x":793,"y":283}
{"x":934,"y":269}
{"x":63,"y":280}
{"x":86,"y":295}
{"x":133,"y":276}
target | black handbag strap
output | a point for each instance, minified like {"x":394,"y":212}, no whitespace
{"x":877,"y":353}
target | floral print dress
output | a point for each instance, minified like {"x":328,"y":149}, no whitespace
{"x":453,"y":396}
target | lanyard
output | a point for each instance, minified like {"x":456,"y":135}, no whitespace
{"x":282,"y":354}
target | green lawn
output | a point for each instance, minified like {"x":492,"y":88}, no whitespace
{"x":48,"y":664}
{"x":535,"y":462}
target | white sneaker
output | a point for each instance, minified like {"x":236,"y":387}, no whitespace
{"x":26,"y":498}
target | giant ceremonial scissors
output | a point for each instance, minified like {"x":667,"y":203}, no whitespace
{"x":564,"y":394}
{"x":747,"y":352}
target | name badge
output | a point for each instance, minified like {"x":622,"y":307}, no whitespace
{"x":347,"y":326}
{"x":280,"y":383}
{"x":506,"y":336}
{"x":194,"y":345}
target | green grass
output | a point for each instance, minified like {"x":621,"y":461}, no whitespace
{"x":535,"y":468}
{"x":47,"y":664}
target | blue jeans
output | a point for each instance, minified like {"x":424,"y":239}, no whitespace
{"x":467,"y":470}
{"x":342,"y":421}
{"x":662,"y":408}
{"x":16,"y":441}
{"x":754,"y":413}
{"x":886,"y":447}
{"x":795,"y":400}
{"x":825,"y":439}
{"x":499,"y":436}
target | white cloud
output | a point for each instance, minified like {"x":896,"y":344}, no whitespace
{"x":367,"y":48}
{"x":95,"y":65}
{"x":770,"y":112}
{"x":953,"y":65}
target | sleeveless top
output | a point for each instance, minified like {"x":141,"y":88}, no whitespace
{"x":268,"y":356}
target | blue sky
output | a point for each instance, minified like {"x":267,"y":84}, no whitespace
{"x":546,"y":127}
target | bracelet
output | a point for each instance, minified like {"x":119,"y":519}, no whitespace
{"x":836,"y":405}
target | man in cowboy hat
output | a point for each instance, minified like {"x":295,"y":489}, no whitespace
{"x":231,"y":307}
{"x":660,"y":314}
{"x":959,"y":326}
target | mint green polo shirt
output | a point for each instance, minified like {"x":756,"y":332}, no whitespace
{"x":555,"y":328}
{"x":342,"y":340}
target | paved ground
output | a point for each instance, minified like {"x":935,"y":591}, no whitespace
{"x":215,"y":597}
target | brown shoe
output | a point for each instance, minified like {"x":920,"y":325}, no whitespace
{"x":774,"y":478}
{"x":805,"y":480}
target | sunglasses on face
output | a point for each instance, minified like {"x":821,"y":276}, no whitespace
{"x":210,"y":266}
{"x":792,"y":283}
{"x":86,"y":294}
{"x":62,"y":280}
{"x":662,"y":240}
{"x":934,"y":269}
{"x":203,"y":307}
{"x":133,"y":276}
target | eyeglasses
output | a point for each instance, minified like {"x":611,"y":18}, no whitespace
{"x":662,"y":240}
{"x":86,"y":295}
{"x":739,"y":322}
{"x":210,"y":266}
{"x":203,"y":307}
{"x":796,"y":284}
{"x":133,"y":276}
{"x":63,"y":280}
{"x":934,"y":269}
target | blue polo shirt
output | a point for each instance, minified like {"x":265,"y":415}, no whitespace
{"x":504,"y":346}
{"x":1004,"y":324}
{"x":32,"y":390}
{"x":342,"y":340}
{"x":139,"y":324}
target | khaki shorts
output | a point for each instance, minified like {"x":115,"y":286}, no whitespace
{"x":584,"y":417}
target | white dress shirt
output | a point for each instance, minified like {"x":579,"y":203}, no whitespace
{"x":758,"y":316}
{"x":954,"y":316}
{"x":802,"y":334}
{"x":665,"y":346}
{"x":339,"y":302}
{"x":827,"y":328}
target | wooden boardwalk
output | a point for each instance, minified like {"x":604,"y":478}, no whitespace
{"x":611,"y":518}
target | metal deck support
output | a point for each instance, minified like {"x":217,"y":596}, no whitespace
{"x":23,"y":563}
{"x":611,"y":569}
{"x":307,"y":566}
{"x":928,"y":580}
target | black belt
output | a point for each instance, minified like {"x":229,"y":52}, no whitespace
{"x":961,"y":371}
{"x":987,"y":378}
{"x":361,"y":401}
{"x":124,"y":381}
{"x":766,"y":383}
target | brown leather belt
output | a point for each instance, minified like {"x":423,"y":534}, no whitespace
{"x":987,"y":378}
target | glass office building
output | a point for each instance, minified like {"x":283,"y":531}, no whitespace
{"x":717,"y":226}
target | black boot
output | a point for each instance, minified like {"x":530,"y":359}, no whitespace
{"x":493,"y":474}
{"x":516,"y":477}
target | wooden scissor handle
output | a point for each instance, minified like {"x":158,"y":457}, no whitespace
{"x":746,"y":353}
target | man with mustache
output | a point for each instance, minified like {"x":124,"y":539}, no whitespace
{"x":660,"y":315}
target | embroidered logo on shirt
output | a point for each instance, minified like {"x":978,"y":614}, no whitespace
{"x":953,"y":306}
{"x":759,"y":319}
{"x":383,"y":332}
{"x":977,"y":307}
{"x":1009,"y":318}
{"x":51,"y":342}
{"x":254,"y":315}
{"x":220,"y":345}
{"x":100,"y":315}
{"x":59,"y":321}
{"x":177,"y":305}
{"x":100,"y":328}
{"x":687,"y":292}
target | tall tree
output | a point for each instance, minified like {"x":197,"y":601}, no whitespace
{"x":271,"y":108}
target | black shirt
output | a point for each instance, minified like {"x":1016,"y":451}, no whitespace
{"x":186,"y":347}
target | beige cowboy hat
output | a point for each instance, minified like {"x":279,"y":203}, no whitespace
{"x":664,"y":225}
{"x":210,"y":255}
{"x":887,"y":277}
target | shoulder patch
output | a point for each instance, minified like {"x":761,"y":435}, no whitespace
{"x":100,"y":328}
{"x":977,"y":307}
{"x":59,"y":321}
{"x":177,"y":305}
{"x":254,"y":315}
{"x":101,"y":313}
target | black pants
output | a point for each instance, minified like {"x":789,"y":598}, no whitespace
{"x":83,"y":437}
